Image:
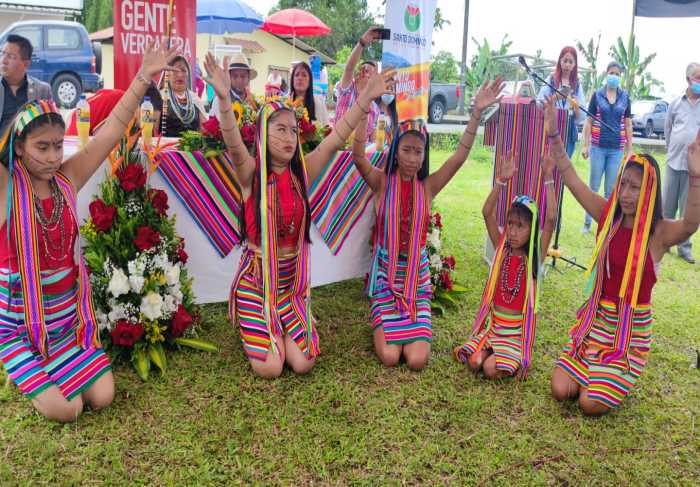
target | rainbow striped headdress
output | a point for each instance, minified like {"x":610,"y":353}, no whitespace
{"x":268,"y":237}
{"x":610,"y":223}
{"x":22,"y":218}
{"x":531,"y":302}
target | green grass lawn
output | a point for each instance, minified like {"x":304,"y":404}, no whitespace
{"x":352,"y":421}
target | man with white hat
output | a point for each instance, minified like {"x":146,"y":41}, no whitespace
{"x":241,"y":74}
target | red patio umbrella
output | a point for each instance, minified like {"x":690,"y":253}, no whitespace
{"x":295,"y":22}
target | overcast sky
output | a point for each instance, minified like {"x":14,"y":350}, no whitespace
{"x":551,"y":24}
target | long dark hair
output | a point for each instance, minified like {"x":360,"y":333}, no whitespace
{"x":392,"y":163}
{"x":295,"y":165}
{"x":309,"y":102}
{"x":657,"y":214}
{"x":523,"y":211}
{"x":51,"y":119}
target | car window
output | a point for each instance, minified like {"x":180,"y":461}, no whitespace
{"x":33,"y":34}
{"x":661,"y":108}
{"x":63,"y":38}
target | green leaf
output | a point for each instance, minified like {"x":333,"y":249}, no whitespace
{"x":458,"y":289}
{"x":437,"y":308}
{"x":157,"y":356}
{"x":445,"y":298}
{"x":197,"y":344}
{"x":141,"y":363}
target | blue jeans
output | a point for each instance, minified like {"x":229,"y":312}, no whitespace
{"x":603,"y":161}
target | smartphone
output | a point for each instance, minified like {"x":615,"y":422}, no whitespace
{"x":383,"y":34}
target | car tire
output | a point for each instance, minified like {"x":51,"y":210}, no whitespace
{"x":648,"y":130}
{"x":436,"y":111}
{"x":66,"y":90}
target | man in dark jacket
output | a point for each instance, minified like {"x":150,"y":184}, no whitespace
{"x":16,"y":87}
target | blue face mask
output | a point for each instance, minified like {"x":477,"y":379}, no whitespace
{"x":387,"y":98}
{"x":695,"y":87}
{"x":613,"y":81}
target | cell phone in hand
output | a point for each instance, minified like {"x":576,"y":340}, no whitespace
{"x":383,"y":34}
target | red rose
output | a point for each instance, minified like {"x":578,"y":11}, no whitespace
{"x":248,"y":133}
{"x":445,"y":280}
{"x":182,"y":255}
{"x":449,"y":262}
{"x":307,"y":127}
{"x":146,"y":238}
{"x":132,"y":177}
{"x":159,"y":200}
{"x":102,"y":215}
{"x":212,"y":128}
{"x":438,"y":220}
{"x":125,"y":334}
{"x":181,"y":321}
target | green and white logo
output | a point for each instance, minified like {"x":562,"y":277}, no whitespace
{"x":411,"y":17}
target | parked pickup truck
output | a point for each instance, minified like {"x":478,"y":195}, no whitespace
{"x":63,"y":56}
{"x":443,"y":97}
{"x":649,"y":117}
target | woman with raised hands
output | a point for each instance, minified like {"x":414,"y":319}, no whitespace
{"x":611,"y":339}
{"x":399,"y":286}
{"x":270,"y":293}
{"x":49,"y":342}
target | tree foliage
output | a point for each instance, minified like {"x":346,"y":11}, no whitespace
{"x":635,"y":77}
{"x":348,"y":19}
{"x":590,"y":80}
{"x":445,"y":67}
{"x":483,"y":66}
{"x":97,"y":14}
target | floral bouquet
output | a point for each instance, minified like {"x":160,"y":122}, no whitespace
{"x":441,"y":268}
{"x":246,"y":118}
{"x":209,"y":141}
{"x":311,"y":133}
{"x":141,"y":291}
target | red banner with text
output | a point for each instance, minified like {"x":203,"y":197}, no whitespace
{"x":138,"y":21}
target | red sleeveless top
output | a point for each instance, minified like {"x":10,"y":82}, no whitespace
{"x":617,"y":257}
{"x":502,"y":295}
{"x":290,"y":212}
{"x":51,"y":257}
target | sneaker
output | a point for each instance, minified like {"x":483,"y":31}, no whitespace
{"x":586,"y":230}
{"x":686,"y":256}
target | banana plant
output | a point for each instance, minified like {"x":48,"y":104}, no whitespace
{"x":633,"y":67}
{"x":591,"y":80}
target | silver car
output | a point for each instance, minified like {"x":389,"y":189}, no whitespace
{"x":649,"y":117}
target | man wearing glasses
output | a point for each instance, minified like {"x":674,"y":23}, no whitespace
{"x":16,"y":87}
{"x":682,"y":124}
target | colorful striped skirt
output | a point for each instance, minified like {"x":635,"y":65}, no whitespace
{"x":246,"y":307}
{"x":399,"y":327}
{"x":609,"y":383}
{"x":69,"y":367}
{"x":503,"y":336}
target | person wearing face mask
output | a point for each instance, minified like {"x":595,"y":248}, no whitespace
{"x":609,"y":141}
{"x":348,"y":89}
{"x":682,"y":122}
{"x":565,"y":79}
{"x":303,"y":90}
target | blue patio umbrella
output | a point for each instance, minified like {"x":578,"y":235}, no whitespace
{"x":226,"y":17}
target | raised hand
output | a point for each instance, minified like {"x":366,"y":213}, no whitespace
{"x":507,"y":169}
{"x":489,"y":93}
{"x":369,"y":36}
{"x":550,"y":115}
{"x":694,"y":157}
{"x":380,"y":84}
{"x":156,"y":60}
{"x":216,"y":76}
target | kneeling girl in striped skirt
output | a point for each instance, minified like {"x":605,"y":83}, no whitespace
{"x":610,"y":341}
{"x":270,"y":295}
{"x":399,"y":286}
{"x":503,"y":333}
{"x":49,"y":342}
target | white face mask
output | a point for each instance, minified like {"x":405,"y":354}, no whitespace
{"x":387,"y":98}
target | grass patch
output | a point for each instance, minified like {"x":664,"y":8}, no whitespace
{"x":351,"y":421}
